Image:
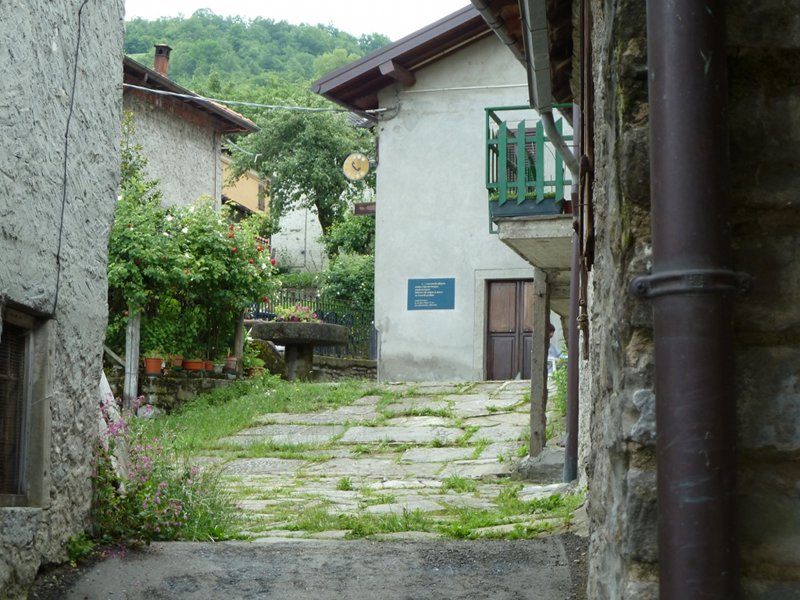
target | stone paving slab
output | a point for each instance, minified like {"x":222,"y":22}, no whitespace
{"x":503,"y":418}
{"x":537,"y":492}
{"x":475,"y":469}
{"x":416,"y":404}
{"x":346,"y":414}
{"x":375,"y":468}
{"x":286,"y":434}
{"x":367,"y":401}
{"x":417,"y":422}
{"x":410,"y":505}
{"x":435,"y":455}
{"x":270,"y":466}
{"x":395,"y":484}
{"x":498,"y":449}
{"x":501,"y":433}
{"x":401,"y":435}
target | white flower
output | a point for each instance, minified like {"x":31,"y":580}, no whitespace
{"x":166,"y":234}
{"x":185,"y":230}
{"x":263,"y":265}
{"x":169,"y":217}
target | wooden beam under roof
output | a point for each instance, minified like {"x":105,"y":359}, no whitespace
{"x":398,"y":72}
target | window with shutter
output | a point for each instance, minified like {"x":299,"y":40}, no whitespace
{"x":13,"y":349}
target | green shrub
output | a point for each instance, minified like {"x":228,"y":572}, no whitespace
{"x":560,"y":379}
{"x":351,"y":277}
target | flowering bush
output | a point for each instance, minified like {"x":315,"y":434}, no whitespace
{"x":191,"y":270}
{"x":299,"y":312}
{"x":159,"y":498}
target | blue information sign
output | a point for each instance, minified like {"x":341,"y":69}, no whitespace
{"x":432,"y":294}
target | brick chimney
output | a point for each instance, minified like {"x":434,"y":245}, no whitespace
{"x":161,"y":61}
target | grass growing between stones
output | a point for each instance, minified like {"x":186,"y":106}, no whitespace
{"x":513,"y":518}
{"x":199,"y":423}
{"x":458,"y":484}
{"x":319,"y":519}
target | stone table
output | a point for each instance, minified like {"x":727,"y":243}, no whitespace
{"x":298,"y":339}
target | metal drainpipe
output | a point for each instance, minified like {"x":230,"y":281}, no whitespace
{"x":573,"y":356}
{"x":691,"y":288}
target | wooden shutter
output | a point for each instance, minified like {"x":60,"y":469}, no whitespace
{"x":12,"y":407}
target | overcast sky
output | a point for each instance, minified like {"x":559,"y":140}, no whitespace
{"x":393,"y":18}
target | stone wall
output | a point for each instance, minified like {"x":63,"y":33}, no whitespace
{"x":764,"y":69}
{"x":330,"y":368}
{"x":167,"y":392}
{"x":183,"y":155}
{"x":58,"y":185}
{"x":764,"y":72}
{"x":621,"y":466}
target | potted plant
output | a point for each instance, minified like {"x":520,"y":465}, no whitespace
{"x":297,"y":313}
{"x":177,"y":361}
{"x":194,"y":364}
{"x":153,"y":363}
{"x":231,"y":367}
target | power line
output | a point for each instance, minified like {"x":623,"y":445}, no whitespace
{"x":242,"y":103}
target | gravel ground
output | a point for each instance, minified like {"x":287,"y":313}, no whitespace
{"x":546,"y":568}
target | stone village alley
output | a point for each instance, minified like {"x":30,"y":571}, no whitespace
{"x":425,"y":459}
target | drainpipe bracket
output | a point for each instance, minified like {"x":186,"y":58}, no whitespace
{"x":691,"y":281}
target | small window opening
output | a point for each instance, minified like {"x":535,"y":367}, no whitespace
{"x":13,"y":347}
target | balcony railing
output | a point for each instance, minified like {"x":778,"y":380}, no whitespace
{"x":524,"y":173}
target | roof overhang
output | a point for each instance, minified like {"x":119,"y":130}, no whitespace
{"x":222,"y":118}
{"x":544,"y":30}
{"x":356,"y":85}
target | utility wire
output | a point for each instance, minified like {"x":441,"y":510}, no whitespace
{"x":65,"y":173}
{"x":250,"y":104}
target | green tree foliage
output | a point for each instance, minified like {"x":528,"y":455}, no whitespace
{"x":301,"y":155}
{"x":243,"y":50}
{"x":191,"y":270}
{"x":353,"y":234}
{"x":351,"y":277}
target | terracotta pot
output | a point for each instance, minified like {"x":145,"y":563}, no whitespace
{"x":230,"y":365}
{"x":152,"y":365}
{"x":193,"y":364}
{"x":177,"y":362}
{"x":209,"y":366}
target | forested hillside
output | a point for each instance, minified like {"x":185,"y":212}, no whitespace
{"x":245,"y":51}
{"x":299,"y":153}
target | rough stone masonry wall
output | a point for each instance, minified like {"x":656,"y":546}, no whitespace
{"x":38,"y":50}
{"x":182,"y":155}
{"x":621,"y":467}
{"x":764,"y":75}
{"x":764,"y":100}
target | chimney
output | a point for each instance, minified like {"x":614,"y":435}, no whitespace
{"x":161,"y":61}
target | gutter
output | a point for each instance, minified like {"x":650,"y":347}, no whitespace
{"x":497,"y":24}
{"x":537,"y":49}
{"x":691,"y":288}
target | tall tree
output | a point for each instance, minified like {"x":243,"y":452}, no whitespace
{"x":301,"y":155}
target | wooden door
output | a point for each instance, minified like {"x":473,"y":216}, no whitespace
{"x":509,"y":329}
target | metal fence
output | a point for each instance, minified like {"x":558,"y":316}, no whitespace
{"x":362,"y":338}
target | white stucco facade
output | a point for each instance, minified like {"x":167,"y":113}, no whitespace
{"x":432,"y":213}
{"x":298,"y":245}
{"x":184,"y":156}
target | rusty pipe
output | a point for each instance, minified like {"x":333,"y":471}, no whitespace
{"x":691,"y":287}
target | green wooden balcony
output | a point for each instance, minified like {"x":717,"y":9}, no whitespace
{"x":525,"y":176}
{"x":528,"y":187}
